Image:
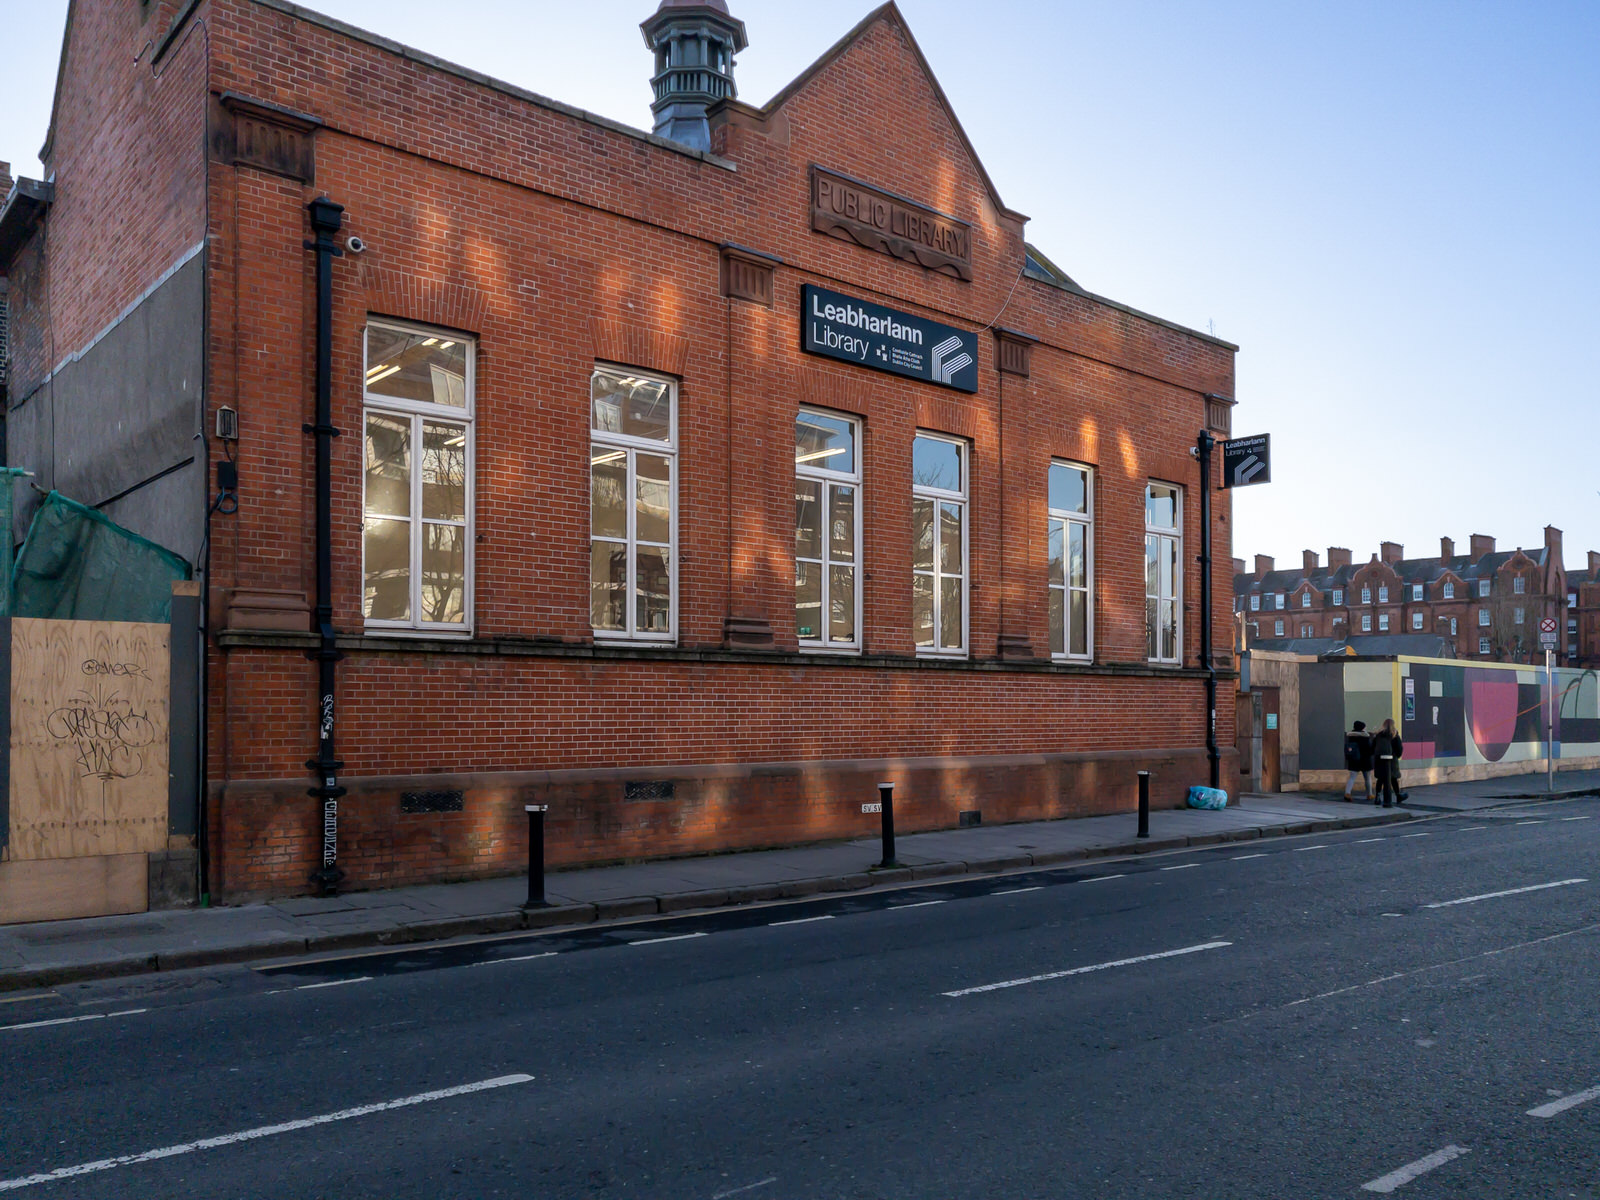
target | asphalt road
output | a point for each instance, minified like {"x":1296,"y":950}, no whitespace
{"x":1294,"y":1017}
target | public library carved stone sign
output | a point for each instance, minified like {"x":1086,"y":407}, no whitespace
{"x":845,"y":207}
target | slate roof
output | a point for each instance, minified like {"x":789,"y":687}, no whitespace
{"x":1377,"y":645}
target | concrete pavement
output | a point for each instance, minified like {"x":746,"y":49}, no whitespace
{"x":49,"y":953}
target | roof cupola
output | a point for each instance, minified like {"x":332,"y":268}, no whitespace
{"x":694,"y":43}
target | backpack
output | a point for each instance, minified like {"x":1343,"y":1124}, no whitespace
{"x":1352,"y":753}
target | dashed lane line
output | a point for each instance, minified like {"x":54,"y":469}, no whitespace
{"x":1105,"y":966}
{"x":1566,"y":1102}
{"x":246,"y":1135}
{"x":1406,"y":835}
{"x":677,"y":937}
{"x":1535,"y":887}
{"x":489,"y":962}
{"x":749,"y":1187}
{"x":1318,"y":846}
{"x":1364,"y":841}
{"x":1470,"y":828}
{"x":306,"y":987}
{"x":1404,"y":1175}
{"x":800,"y":920}
{"x":1575,"y":818}
{"x":1540,"y":821}
{"x":1018,"y":891}
{"x":127,"y":1012}
{"x":918,"y":904}
{"x":1242,"y":857}
{"x":1181,"y":867}
{"x":1100,"y":878}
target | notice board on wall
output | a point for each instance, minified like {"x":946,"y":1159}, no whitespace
{"x":90,"y":729}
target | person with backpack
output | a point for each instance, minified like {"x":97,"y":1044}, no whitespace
{"x":1386,"y":751}
{"x":1358,"y":760}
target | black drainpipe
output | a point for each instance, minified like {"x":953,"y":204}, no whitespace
{"x":326,"y":218}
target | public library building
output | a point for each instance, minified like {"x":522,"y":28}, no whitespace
{"x":689,"y":482}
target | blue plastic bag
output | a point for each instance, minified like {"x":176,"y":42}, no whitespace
{"x":1205,"y":797}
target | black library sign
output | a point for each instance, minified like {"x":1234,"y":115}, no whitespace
{"x":870,"y":335}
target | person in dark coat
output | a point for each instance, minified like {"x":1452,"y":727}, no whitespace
{"x":1358,"y":760}
{"x":1386,"y":751}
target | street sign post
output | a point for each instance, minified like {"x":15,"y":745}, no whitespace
{"x":1247,"y":460}
{"x":1550,"y":713}
{"x":1547,"y":633}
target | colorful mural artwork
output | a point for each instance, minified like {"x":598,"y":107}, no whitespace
{"x":1451,"y":714}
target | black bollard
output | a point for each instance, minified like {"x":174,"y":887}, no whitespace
{"x":1144,"y":804}
{"x":886,"y":794}
{"x":536,"y":855}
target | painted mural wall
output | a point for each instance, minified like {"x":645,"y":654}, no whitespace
{"x":1451,"y":714}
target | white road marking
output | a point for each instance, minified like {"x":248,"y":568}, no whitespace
{"x":489,"y":962}
{"x":749,"y":1187}
{"x":918,"y":904}
{"x":1538,"y":822}
{"x":127,"y":1012}
{"x":1537,"y":887}
{"x":1566,"y":1102}
{"x":1018,"y":891}
{"x":1318,"y":846}
{"x":803,"y":920}
{"x":1394,"y":1179}
{"x":1470,"y":828}
{"x":228,"y":1139}
{"x":677,"y":937}
{"x":29,"y":996}
{"x":1121,"y":962}
{"x":1181,"y":867}
{"x":1242,"y":857}
{"x":1406,"y":835}
{"x":306,"y":987}
{"x":1574,"y":818}
{"x":1363,"y":841}
{"x":1098,"y":878}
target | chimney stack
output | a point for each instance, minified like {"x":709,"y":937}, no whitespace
{"x":694,"y":43}
{"x":1447,"y":549}
{"x":1263,"y":564}
{"x":1392,"y":552}
{"x":1308,"y":561}
{"x":1238,"y":566}
{"x":1552,"y":543}
{"x":1338,"y":557}
{"x":1594,"y":566}
{"x":1481,"y":544}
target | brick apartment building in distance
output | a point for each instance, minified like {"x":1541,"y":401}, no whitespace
{"x":1487,"y":603}
{"x":691,"y":482}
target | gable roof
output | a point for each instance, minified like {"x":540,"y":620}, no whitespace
{"x":889,"y":13}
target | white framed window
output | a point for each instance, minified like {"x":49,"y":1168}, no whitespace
{"x":1416,"y":620}
{"x":1483,"y":587}
{"x":1071,"y":560}
{"x":416,"y":492}
{"x":1416,"y":591}
{"x":1383,"y":621}
{"x":1572,"y":599}
{"x":633,"y":505}
{"x":1452,"y":627}
{"x":1483,"y":645}
{"x":1483,"y":616}
{"x":939,"y":544}
{"x":1305,"y":631}
{"x":1366,"y":594}
{"x":827,"y":531}
{"x":1277,"y":629}
{"x":1305,"y":599}
{"x":1449,"y":591}
{"x":1519,"y":585}
{"x":1383,"y":593}
{"x":1163,"y":572}
{"x":1283,"y":601}
{"x":1255,"y":603}
{"x":1516,"y":616}
{"x":1366,"y":622}
{"x":1338,"y":597}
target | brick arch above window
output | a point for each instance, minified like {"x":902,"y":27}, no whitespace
{"x":426,"y":301}
{"x":631,"y":345}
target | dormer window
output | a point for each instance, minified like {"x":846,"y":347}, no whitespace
{"x":1483,"y":587}
{"x":1366,"y":594}
{"x":1519,"y":585}
{"x":1305,"y":599}
{"x":1383,"y":593}
{"x":1449,"y":591}
{"x":1416,"y":591}
{"x":1338,"y":597}
{"x":1255,"y":603}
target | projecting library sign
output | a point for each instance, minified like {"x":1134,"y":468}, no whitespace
{"x":884,"y":339}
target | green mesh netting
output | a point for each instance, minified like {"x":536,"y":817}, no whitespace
{"x":77,"y":564}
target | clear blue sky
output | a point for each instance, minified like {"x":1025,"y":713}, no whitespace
{"x":1391,"y":206}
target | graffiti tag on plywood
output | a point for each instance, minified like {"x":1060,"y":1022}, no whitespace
{"x":89,"y":737}
{"x":101,"y":724}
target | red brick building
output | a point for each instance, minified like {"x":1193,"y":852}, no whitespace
{"x":690,"y":482}
{"x":1486,"y":603}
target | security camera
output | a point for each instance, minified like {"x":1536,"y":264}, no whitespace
{"x":355,"y":245}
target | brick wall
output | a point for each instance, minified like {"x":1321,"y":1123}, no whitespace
{"x":556,"y":241}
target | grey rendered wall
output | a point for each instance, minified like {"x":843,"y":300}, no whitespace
{"x":123,"y":420}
